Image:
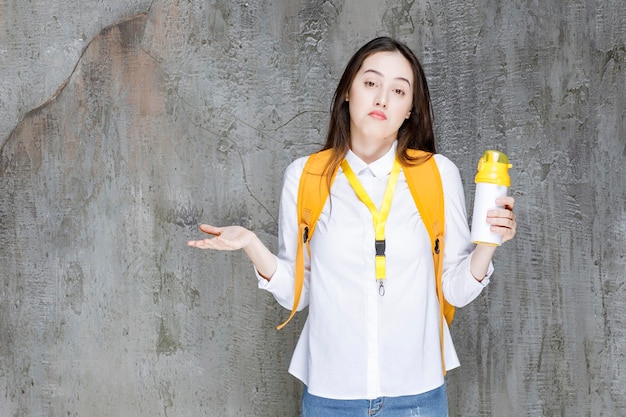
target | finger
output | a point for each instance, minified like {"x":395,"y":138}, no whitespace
{"x":507,"y":202}
{"x":503,"y":230}
{"x":501,"y":214}
{"x":504,"y":219}
{"x":210,"y":230}
{"x":216,"y":243}
{"x":202,"y":244}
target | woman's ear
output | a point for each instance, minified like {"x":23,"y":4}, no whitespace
{"x":347,"y":97}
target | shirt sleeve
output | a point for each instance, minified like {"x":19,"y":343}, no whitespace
{"x":459,"y":285}
{"x":281,"y":285}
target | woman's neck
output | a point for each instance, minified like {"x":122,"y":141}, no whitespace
{"x":370,"y":151}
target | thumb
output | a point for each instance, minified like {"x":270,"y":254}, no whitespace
{"x":210,"y":230}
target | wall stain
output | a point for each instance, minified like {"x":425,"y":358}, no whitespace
{"x":74,"y":281}
{"x":166,"y":343}
{"x":185,"y":216}
{"x":398,"y":20}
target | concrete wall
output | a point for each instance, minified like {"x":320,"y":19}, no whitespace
{"x":125,"y":123}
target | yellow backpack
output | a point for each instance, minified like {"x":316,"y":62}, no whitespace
{"x":424,"y":183}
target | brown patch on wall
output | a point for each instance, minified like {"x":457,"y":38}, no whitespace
{"x":114,"y":72}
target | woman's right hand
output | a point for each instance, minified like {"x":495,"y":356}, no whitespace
{"x":234,"y":238}
{"x":226,"y":238}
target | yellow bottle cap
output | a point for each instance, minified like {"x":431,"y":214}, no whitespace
{"x":493,"y":168}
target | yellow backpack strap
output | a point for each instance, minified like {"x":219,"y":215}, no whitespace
{"x":424,"y":182}
{"x":312,"y":194}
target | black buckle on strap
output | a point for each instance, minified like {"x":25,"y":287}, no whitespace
{"x":380,"y":247}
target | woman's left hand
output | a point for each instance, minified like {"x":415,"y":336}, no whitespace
{"x":502,"y":220}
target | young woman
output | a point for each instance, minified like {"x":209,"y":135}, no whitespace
{"x":364,"y":351}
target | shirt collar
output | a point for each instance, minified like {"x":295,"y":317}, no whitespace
{"x":380,"y":168}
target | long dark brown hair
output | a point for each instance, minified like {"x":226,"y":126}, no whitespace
{"x":415,"y":133}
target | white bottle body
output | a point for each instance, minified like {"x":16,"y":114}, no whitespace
{"x":485,"y":200}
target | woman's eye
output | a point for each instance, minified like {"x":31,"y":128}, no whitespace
{"x":370,"y":84}
{"x":399,"y":92}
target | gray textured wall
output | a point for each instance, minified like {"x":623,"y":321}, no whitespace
{"x":125,"y":123}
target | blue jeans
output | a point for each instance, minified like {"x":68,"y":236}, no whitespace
{"x":429,"y":404}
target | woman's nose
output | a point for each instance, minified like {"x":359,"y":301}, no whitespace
{"x":381,"y":100}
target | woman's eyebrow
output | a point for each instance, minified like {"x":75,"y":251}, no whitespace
{"x":380,"y":74}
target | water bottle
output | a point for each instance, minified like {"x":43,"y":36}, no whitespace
{"x":492,"y":181}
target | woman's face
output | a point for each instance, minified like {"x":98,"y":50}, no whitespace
{"x":380,"y":97}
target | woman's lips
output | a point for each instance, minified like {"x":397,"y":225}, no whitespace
{"x":377,"y":114}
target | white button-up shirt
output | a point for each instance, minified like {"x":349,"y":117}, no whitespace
{"x":357,"y":344}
